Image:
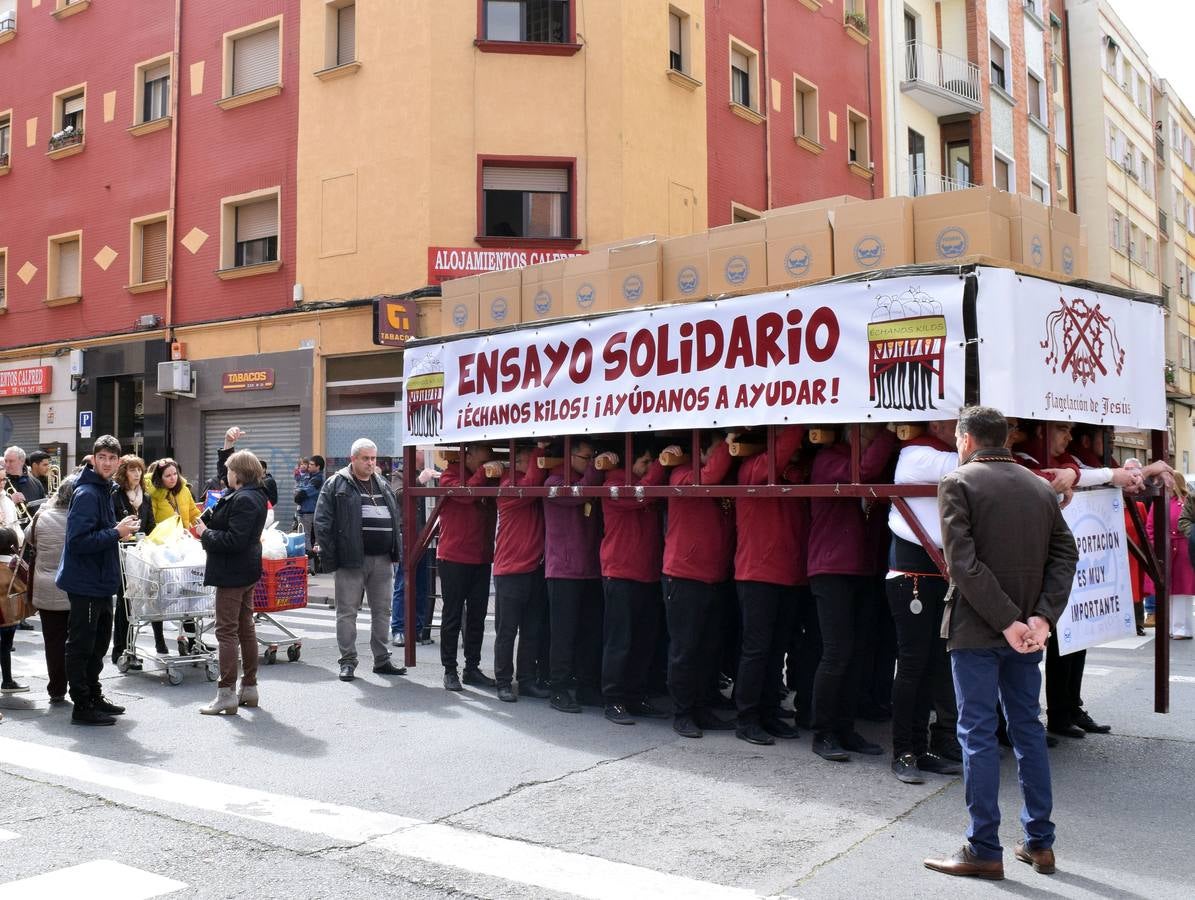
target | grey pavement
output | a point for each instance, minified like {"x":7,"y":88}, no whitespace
{"x":768,"y":820}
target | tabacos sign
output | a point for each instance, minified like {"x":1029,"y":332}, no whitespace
{"x":258,"y":380}
{"x":26,"y":382}
{"x":393,"y":321}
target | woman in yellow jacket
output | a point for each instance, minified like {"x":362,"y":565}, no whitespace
{"x":169,"y":492}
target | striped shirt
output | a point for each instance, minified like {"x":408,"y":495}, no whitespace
{"x":377,"y":525}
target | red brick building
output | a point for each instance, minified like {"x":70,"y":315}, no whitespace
{"x":794,"y":104}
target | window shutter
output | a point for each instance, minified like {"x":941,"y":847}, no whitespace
{"x":72,"y":105}
{"x":255,"y":61}
{"x":510,"y":178}
{"x":257,"y":220}
{"x":346,"y":34}
{"x":162,"y":70}
{"x":153,"y":251}
{"x":740,"y":61}
{"x":68,"y":269}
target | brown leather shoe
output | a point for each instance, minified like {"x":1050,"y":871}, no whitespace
{"x":1041,"y":860}
{"x":967,"y":864}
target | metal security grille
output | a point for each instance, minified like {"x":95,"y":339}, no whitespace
{"x":19,"y":426}
{"x":272,"y":434}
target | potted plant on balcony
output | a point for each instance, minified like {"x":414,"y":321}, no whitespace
{"x":857,"y":20}
{"x":65,"y":138}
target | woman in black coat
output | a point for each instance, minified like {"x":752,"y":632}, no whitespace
{"x":129,"y":499}
{"x":232,"y":539}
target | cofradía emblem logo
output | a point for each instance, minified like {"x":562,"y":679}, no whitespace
{"x":1082,"y":340}
{"x":869,"y":251}
{"x":687,"y":280}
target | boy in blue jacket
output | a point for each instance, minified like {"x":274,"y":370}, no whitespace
{"x":89,"y":573}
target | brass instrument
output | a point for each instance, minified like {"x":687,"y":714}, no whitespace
{"x":53,"y":480}
{"x":23,"y":514}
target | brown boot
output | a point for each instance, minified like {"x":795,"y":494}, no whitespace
{"x":1041,"y":860}
{"x":967,"y":864}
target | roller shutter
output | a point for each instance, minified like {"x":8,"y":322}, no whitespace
{"x":514,"y":178}
{"x":257,"y":220}
{"x":68,"y":269}
{"x":255,"y":61}
{"x":346,"y":35}
{"x":272,"y":434}
{"x":153,"y":251}
{"x":19,"y":426}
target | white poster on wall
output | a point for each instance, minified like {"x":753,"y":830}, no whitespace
{"x":1050,"y":351}
{"x":884,"y":351}
{"x":1100,"y":608}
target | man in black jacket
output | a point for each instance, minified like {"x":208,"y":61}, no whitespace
{"x":89,"y":573}
{"x":357,"y":530}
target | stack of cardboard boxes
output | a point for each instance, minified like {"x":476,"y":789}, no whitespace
{"x":793,"y":245}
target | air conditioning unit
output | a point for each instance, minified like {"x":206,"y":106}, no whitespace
{"x":175,"y":378}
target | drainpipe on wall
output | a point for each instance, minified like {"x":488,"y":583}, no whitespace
{"x":765,"y":80}
{"x":171,"y":227}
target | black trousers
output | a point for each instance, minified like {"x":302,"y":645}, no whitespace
{"x":521,"y":600}
{"x":767,"y":611}
{"x":54,"y":626}
{"x":120,"y":630}
{"x":7,"y":633}
{"x":576,"y":633}
{"x":694,"y":628}
{"x":466,"y":589}
{"x":1064,"y":683}
{"x":923,"y":677}
{"x":88,"y":633}
{"x":630,"y":627}
{"x":877,"y":662}
{"x":844,"y":614}
{"x":804,"y":653}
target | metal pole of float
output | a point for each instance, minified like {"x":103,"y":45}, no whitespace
{"x":412,"y":558}
{"x":1162,"y":597}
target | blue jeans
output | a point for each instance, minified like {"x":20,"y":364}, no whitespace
{"x":981,"y":679}
{"x":398,"y":609}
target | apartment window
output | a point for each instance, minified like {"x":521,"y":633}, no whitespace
{"x":1134,"y":242}
{"x":858,"y":141}
{"x":1110,"y":57}
{"x":1115,"y":231}
{"x":1147,"y":253}
{"x":346,"y":34}
{"x":1032,"y":7}
{"x":1143,"y":95}
{"x":252,"y":63}
{"x":740,"y":213}
{"x":676,"y":41}
{"x":534,"y":21}
{"x":958,"y":162}
{"x":147,"y":261}
{"x":64,"y":8}
{"x":8,"y":20}
{"x":249,"y":229}
{"x":1060,"y":137}
{"x":805,"y":113}
{"x":1036,"y":97}
{"x":63,"y":275}
{"x":917,"y":176}
{"x":154,"y":91}
{"x":741,"y":66}
{"x":72,"y":112}
{"x":998,"y":69}
{"x":5,"y":139}
{"x":1001,"y":173}
{"x":1038,"y":190}
{"x":527,"y":202}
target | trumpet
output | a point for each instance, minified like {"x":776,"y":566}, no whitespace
{"x":23,"y":514}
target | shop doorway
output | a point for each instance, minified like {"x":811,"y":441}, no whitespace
{"x":19,"y":426}
{"x":120,"y":411}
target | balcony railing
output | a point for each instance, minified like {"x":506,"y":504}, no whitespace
{"x":8,"y":23}
{"x":944,"y":72}
{"x":922,"y":183}
{"x":66,"y":139}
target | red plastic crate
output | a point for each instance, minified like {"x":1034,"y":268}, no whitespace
{"x":283,"y":585}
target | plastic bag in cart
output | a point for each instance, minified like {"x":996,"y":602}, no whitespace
{"x":273,"y":544}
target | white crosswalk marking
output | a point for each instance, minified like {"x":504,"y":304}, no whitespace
{"x":101,"y":879}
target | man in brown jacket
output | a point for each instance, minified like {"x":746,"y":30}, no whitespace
{"x":1012,"y":561}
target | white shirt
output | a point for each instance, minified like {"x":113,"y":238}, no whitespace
{"x":921,"y":465}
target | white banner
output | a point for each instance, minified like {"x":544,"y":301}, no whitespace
{"x":1100,"y":608}
{"x":1049,"y":351}
{"x":886,"y":351}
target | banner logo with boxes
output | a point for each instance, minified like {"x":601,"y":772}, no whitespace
{"x":737,"y":269}
{"x":632,"y":288}
{"x":798,"y":260}
{"x":952,"y":242}
{"x":688,"y":281}
{"x":869,"y":251}
{"x":891,"y":350}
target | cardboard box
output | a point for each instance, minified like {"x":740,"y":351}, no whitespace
{"x":635,"y":274}
{"x":543,"y":291}
{"x":1029,"y":233}
{"x":427,"y":321}
{"x":800,"y":244}
{"x":459,"y":305}
{"x":874,"y":235}
{"x":501,"y":298}
{"x":686,"y":262}
{"x":954,"y":224}
{"x":586,"y":283}
{"x":1064,"y":242}
{"x":738,"y":257}
{"x":825,"y":203}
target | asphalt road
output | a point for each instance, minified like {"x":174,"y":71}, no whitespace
{"x":394,"y":787}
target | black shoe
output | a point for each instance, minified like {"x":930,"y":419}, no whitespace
{"x":951,"y":751}
{"x":686,"y":727}
{"x":1070,"y":731}
{"x":617,"y":713}
{"x":102,"y":704}
{"x":563,"y":701}
{"x":645,"y":710}
{"x":89,"y":715}
{"x":827,"y":747}
{"x":904,"y":767}
{"x":11,"y":687}
{"x":24,"y":625}
{"x":780,"y":729}
{"x":1051,"y":741}
{"x":753,"y":733}
{"x":707,"y":721}
{"x":162,"y":650}
{"x":530,"y":688}
{"x":134,"y":664}
{"x":856,"y":743}
{"x":931,"y":762}
{"x":58,"y":701}
{"x":451,"y":681}
{"x":1088,"y":724}
{"x":506,"y":694}
{"x":478,"y":678}
{"x":389,"y":668}
{"x":346,"y":673}
{"x":590,"y":697}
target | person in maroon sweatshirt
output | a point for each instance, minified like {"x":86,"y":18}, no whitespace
{"x":572,"y":538}
{"x":464,"y":555}
{"x":769,"y":571}
{"x":631,"y":552}
{"x":519,"y":588}
{"x":841,"y":577}
{"x":699,"y":565}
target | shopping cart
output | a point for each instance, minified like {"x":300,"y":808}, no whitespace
{"x":166,"y":594}
{"x":283,"y":586}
